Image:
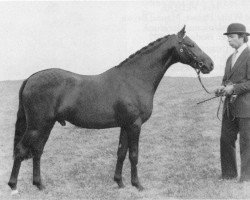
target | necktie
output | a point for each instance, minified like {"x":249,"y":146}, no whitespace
{"x":234,"y":58}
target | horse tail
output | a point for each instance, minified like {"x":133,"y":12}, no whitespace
{"x":20,"y":126}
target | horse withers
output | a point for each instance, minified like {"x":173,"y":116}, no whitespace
{"x":120,"y":97}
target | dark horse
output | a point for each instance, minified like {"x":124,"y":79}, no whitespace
{"x":120,"y":97}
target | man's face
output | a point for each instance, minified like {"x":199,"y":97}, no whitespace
{"x":234,"y":41}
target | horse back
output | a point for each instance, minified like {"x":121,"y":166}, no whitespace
{"x":99,"y":101}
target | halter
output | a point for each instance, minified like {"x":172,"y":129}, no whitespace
{"x":193,"y":58}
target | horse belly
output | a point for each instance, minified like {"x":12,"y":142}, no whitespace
{"x":95,"y":116}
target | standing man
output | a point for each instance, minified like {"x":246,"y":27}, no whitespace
{"x":236,"y":111}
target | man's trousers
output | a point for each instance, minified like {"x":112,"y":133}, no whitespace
{"x":230,"y":128}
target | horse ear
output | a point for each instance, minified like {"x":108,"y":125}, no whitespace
{"x":182,"y":32}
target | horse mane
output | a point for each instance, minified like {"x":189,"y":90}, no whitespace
{"x":144,"y":49}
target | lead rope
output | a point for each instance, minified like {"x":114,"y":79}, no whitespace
{"x":199,"y":78}
{"x":218,"y":110}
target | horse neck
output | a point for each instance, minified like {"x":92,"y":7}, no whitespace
{"x":151,"y":66}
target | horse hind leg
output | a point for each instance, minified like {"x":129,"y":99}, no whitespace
{"x":37,"y":152}
{"x":31,"y":145}
{"x":121,"y":155}
{"x":20,"y":153}
{"x":20,"y":129}
{"x":14,"y":174}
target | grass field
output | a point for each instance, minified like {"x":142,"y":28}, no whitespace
{"x":179,"y":152}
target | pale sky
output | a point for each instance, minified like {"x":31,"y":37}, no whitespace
{"x":89,"y":37}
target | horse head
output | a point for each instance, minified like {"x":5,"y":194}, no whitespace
{"x":188,"y":52}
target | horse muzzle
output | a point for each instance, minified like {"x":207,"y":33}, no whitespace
{"x":205,"y":69}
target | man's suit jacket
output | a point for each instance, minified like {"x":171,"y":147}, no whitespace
{"x":239,"y":75}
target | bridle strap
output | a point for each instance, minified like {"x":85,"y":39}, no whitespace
{"x":193,"y":58}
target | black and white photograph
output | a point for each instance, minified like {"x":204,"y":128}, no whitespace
{"x":124,"y":100}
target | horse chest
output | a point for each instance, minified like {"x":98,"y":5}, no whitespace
{"x":146,"y":111}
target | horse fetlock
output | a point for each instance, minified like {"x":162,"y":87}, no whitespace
{"x":118,"y":180}
{"x":39,"y":185}
{"x":117,"y":177}
{"x":12,"y":184}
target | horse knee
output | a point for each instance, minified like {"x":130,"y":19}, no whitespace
{"x":121,"y":157}
{"x":133,"y":157}
{"x":121,"y":153}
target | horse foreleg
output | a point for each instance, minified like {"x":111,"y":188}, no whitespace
{"x":133,"y":144}
{"x":14,"y":174}
{"x":121,"y":155}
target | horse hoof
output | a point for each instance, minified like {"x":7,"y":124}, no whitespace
{"x":121,"y":185}
{"x":41,"y":187}
{"x":14,"y":192}
{"x":138,"y":186}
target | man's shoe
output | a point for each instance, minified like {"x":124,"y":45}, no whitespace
{"x":224,"y":178}
{"x":241,"y":180}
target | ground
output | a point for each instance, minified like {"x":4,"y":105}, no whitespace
{"x":178,"y":158}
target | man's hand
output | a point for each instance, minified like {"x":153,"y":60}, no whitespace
{"x":228,"y":90}
{"x":219,"y":91}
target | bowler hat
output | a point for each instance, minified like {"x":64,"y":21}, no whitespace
{"x":236,"y":28}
